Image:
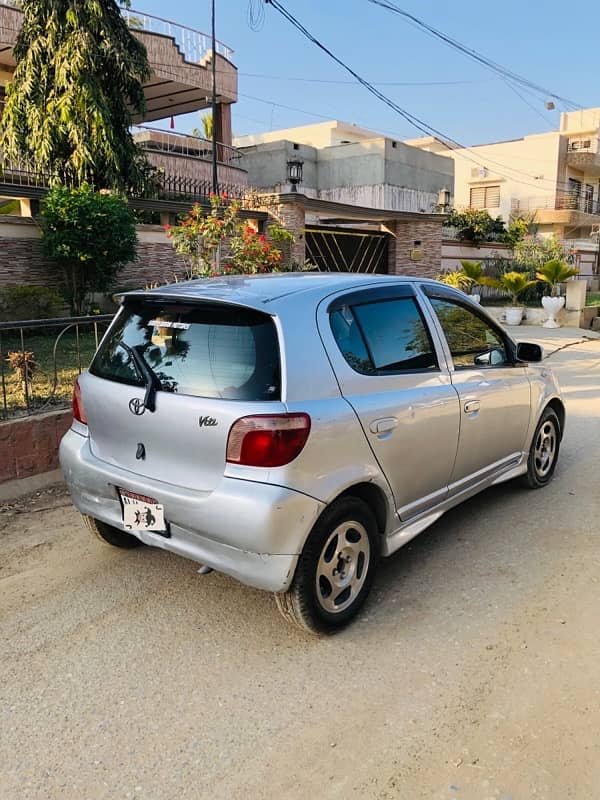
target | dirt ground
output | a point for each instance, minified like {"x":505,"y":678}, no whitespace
{"x":472,"y":673}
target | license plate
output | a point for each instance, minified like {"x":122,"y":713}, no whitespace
{"x":141,"y":513}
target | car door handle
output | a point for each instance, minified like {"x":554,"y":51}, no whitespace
{"x":383,"y":425}
{"x":471,"y":406}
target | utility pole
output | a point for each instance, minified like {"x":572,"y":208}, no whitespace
{"x":215,"y":173}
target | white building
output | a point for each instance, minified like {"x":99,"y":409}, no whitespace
{"x":555,"y":175}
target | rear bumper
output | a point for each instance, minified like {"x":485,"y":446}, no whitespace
{"x":253,"y":532}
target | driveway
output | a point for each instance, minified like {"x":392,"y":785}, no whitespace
{"x":472,"y":674}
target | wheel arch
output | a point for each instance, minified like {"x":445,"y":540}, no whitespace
{"x":559,"y":409}
{"x":374,"y":497}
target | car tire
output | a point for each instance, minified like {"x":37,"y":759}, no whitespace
{"x":544,"y":450}
{"x":110,"y":535}
{"x":335,"y":570}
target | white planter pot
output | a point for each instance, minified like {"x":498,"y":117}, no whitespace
{"x":514,"y":315}
{"x":552,"y":305}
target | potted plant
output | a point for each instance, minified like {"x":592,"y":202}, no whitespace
{"x":554,"y":272}
{"x":514,"y":284}
{"x":473,"y":271}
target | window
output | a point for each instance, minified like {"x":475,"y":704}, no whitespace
{"x":384,"y":337}
{"x":472,"y":341}
{"x":485,"y":197}
{"x":194,"y":349}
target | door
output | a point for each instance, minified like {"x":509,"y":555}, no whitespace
{"x":390,"y":373}
{"x":169,"y":380}
{"x":493,"y":390}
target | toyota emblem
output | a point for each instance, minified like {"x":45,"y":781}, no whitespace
{"x":136,"y":406}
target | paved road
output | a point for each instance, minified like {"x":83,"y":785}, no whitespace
{"x":473,"y":673}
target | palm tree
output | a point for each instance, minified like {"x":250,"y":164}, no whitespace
{"x":512,"y":283}
{"x":79,"y":75}
{"x":555,"y":272}
{"x":206,"y":131}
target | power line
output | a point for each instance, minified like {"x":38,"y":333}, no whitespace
{"x":413,"y":120}
{"x":471,"y":53}
{"x":444,"y":140}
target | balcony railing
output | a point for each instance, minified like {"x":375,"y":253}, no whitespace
{"x":586,"y":144}
{"x":23,"y":180}
{"x":182,"y":144}
{"x":195,"y":45}
{"x":564,"y":201}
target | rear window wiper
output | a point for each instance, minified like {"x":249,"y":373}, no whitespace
{"x":151,"y":379}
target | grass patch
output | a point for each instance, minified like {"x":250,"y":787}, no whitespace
{"x":72,"y":356}
{"x":592,"y":299}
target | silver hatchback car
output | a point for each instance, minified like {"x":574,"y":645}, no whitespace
{"x":289,"y":430}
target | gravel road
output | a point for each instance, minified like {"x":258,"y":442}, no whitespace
{"x":472,"y":674}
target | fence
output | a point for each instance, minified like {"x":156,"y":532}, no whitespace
{"x":40,"y":360}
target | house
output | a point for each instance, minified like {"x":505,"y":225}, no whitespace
{"x":348,"y":164}
{"x":181,"y":82}
{"x":552,"y":177}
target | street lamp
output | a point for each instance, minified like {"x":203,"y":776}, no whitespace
{"x":295,"y":167}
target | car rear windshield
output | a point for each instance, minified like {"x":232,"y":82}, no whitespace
{"x":200,"y":349}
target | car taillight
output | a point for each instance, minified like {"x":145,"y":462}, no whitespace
{"x":269,"y":440}
{"x":78,"y":410}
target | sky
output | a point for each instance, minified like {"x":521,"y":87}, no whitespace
{"x":554,"y":44}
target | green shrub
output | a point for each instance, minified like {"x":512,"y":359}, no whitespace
{"x":29,"y":302}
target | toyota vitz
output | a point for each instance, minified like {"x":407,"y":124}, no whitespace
{"x":289,"y":430}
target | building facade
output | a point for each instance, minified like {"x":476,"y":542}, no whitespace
{"x":347,"y":164}
{"x":552,"y":177}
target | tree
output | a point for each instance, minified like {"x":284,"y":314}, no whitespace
{"x":89,"y":235}
{"x":206,"y":131}
{"x":533,"y":252}
{"x":79,"y":74}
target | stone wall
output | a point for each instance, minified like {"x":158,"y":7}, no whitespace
{"x":29,"y":446}
{"x":415,"y":248}
{"x":22,"y":261}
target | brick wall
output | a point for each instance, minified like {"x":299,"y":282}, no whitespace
{"x":415,"y":248}
{"x":22,"y":262}
{"x":292,"y":217}
{"x":29,"y":446}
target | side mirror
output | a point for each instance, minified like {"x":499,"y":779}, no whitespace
{"x":529,"y":352}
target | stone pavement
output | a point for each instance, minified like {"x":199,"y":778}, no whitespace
{"x":551,"y":339}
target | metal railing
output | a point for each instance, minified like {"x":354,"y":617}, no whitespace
{"x":40,"y":360}
{"x":194,"y":45}
{"x":179,"y":188}
{"x":182,"y":144}
{"x":585,"y":144}
{"x":20,"y":180}
{"x":564,"y":201}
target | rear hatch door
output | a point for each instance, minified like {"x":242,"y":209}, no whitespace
{"x":209,"y":364}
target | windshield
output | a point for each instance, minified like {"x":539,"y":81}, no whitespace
{"x":205,"y":350}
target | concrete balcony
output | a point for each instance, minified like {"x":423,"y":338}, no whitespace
{"x":565,"y":209}
{"x":583,"y":154}
{"x":190,"y":157}
{"x":180,"y":59}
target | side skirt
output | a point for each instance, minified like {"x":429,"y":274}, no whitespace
{"x":407,"y":531}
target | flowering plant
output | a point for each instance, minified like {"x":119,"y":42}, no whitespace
{"x":218,"y":242}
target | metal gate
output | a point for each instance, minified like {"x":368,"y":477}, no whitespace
{"x":347,"y":249}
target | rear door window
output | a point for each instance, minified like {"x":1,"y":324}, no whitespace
{"x":203,"y":350}
{"x":386,"y":337}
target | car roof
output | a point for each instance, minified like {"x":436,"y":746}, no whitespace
{"x":266,"y":291}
